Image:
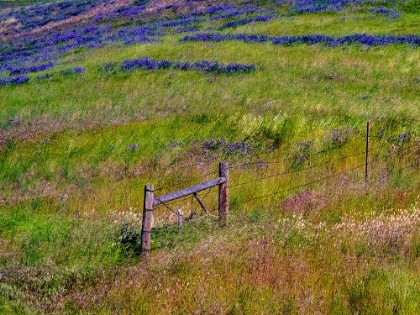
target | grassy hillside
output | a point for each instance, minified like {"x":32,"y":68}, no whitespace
{"x":100,"y":98}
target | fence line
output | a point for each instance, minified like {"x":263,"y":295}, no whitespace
{"x":370,"y":164}
{"x":303,"y":185}
{"x":311,"y":154}
{"x":296,"y":171}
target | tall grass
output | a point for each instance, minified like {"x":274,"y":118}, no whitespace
{"x":76,"y":152}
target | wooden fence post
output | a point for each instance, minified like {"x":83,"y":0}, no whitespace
{"x":146,"y":227}
{"x":223,"y":192}
{"x":179,"y":217}
{"x":367,"y":152}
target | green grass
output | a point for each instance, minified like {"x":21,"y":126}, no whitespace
{"x":282,"y":77}
{"x":71,"y":189}
{"x":313,"y":80}
{"x":272,"y":261}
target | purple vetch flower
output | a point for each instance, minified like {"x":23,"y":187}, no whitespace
{"x":393,"y":14}
{"x":147,"y":63}
{"x":335,"y":135}
{"x":403,"y":137}
{"x":34,"y":68}
{"x":221,"y":142}
{"x":78,"y":69}
{"x":364,"y":39}
{"x":262,"y":165}
{"x":225,"y":147}
{"x":110,"y":67}
{"x":182,"y":66}
{"x":305,"y":145}
{"x":14,"y":81}
{"x":303,"y":158}
{"x":73,"y":70}
{"x":209,"y":144}
{"x":132,"y":147}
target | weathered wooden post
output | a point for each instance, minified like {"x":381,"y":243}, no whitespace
{"x":179,"y":219}
{"x":146,"y":227}
{"x":367,"y":153}
{"x":223,"y":192}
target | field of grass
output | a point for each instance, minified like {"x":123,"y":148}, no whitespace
{"x":82,"y":134}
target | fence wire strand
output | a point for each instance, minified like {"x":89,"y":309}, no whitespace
{"x":296,"y":171}
{"x":293,"y":158}
{"x":303,"y":185}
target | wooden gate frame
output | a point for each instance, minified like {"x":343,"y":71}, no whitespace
{"x":150,"y":201}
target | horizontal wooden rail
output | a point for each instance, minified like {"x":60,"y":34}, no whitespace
{"x":158,"y":200}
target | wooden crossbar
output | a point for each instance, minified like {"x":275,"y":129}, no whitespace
{"x":158,"y":200}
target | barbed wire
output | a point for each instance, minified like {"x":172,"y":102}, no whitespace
{"x":303,"y":185}
{"x":411,"y":161}
{"x":165,"y":204}
{"x":383,"y":157}
{"x":338,"y":146}
{"x":262,"y":162}
{"x":362,"y":187}
{"x":297,"y":171}
{"x":310,"y":154}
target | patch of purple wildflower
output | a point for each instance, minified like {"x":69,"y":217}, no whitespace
{"x":392,"y":14}
{"x":33,"y":16}
{"x":234,"y":24}
{"x":302,"y":154}
{"x":14,"y":81}
{"x":212,"y":149}
{"x":132,"y":147}
{"x":50,"y":46}
{"x":31,"y":69}
{"x":147,"y":63}
{"x":74,"y":70}
{"x":335,"y":136}
{"x":53,"y":45}
{"x":403,"y":137}
{"x":364,"y":39}
{"x":225,"y":147}
{"x":338,"y":137}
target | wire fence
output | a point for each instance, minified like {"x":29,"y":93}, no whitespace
{"x":330,"y":173}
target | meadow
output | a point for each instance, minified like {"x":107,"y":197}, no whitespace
{"x":100,"y":98}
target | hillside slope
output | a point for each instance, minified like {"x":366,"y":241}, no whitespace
{"x":100,"y":98}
